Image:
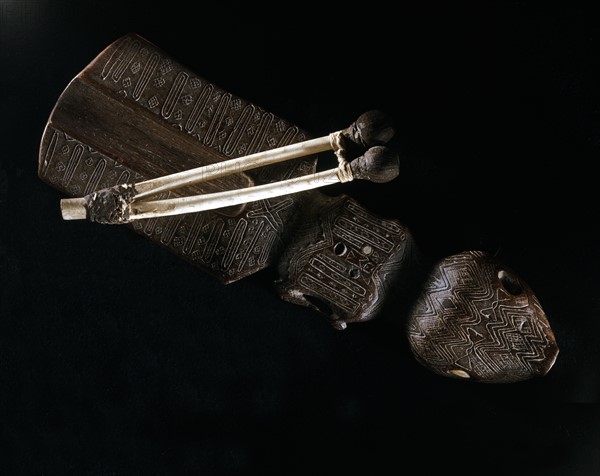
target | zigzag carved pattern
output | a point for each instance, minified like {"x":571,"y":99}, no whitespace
{"x":470,"y":323}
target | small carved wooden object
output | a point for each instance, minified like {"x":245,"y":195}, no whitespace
{"x":344,"y":262}
{"x":476,"y":319}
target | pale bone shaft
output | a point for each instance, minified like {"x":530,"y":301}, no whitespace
{"x":232,"y":166}
{"x":211,"y":201}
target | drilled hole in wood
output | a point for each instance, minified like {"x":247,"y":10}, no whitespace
{"x":340,"y":249}
{"x":510,"y":283}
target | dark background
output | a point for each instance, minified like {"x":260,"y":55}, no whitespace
{"x":118,"y":358}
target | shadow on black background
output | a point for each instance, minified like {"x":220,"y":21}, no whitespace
{"x":117,"y":358}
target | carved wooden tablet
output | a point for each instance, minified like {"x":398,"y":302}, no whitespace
{"x":476,"y":319}
{"x":135,"y":113}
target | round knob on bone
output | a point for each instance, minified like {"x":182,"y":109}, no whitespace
{"x":379,"y":164}
{"x":370,"y":129}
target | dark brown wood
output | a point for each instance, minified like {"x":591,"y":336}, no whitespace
{"x":344,"y":261}
{"x":134,"y":113}
{"x":133,"y":136}
{"x":476,"y":319}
